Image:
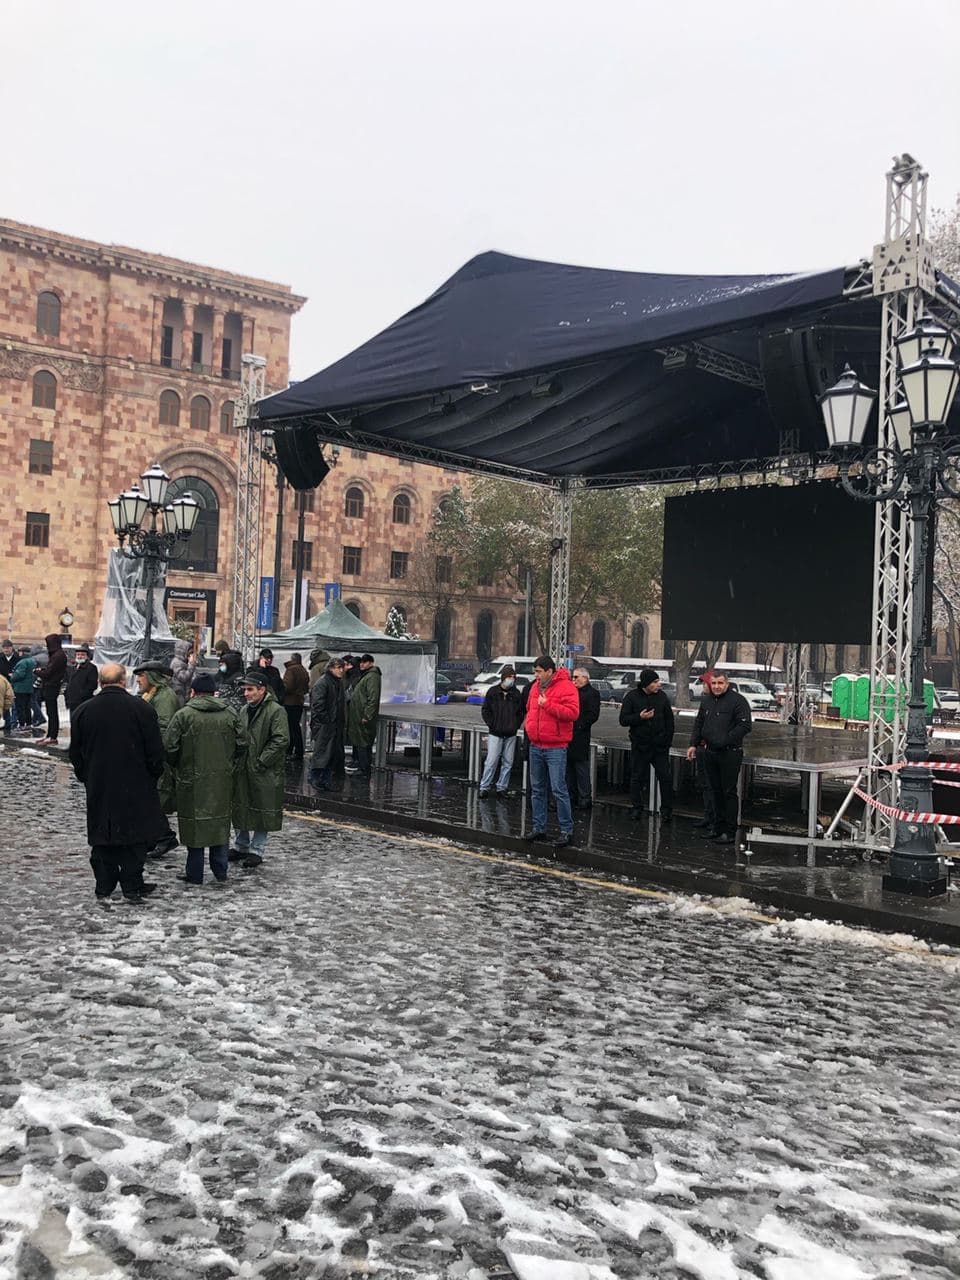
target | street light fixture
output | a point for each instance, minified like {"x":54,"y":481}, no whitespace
{"x":163,"y":539}
{"x":917,"y":474}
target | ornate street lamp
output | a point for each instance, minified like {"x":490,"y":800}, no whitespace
{"x":164,"y":537}
{"x":918,"y":473}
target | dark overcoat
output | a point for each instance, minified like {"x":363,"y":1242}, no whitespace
{"x":117,"y":753}
{"x":205,"y":743}
{"x":326,"y":720}
{"x":579,"y":748}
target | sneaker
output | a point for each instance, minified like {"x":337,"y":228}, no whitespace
{"x":535,"y":835}
{"x":563,"y":839}
{"x":251,"y":862}
{"x":165,"y":845}
{"x":724,"y":838}
{"x":484,"y":795}
{"x":237,"y":855}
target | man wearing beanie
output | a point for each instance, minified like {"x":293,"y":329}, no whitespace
{"x":647,"y":713}
{"x":205,"y":742}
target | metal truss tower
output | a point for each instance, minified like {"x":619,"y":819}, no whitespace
{"x":249,"y":491}
{"x":903,"y":277}
{"x":560,"y":569}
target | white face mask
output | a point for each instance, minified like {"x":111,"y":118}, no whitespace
{"x":508,"y":682}
{"x":222,"y":669}
{"x":80,"y":660}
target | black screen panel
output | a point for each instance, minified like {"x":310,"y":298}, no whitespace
{"x":791,"y":564}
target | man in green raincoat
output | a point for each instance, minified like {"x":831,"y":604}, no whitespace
{"x":258,"y":798}
{"x":363,"y":711}
{"x":205,"y":745}
{"x":156,"y":688}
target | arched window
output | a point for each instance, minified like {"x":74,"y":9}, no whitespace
{"x":446,"y":506}
{"x":169,"y":409}
{"x":200,"y":413}
{"x":485,"y":636}
{"x":442,"y":627}
{"x":201,"y":552}
{"x":44,"y":390}
{"x":227,"y":427}
{"x":354,"y":607}
{"x":598,"y":638}
{"x":353,"y":501}
{"x":402,"y":507}
{"x":48,"y":315}
{"x":638,"y":640}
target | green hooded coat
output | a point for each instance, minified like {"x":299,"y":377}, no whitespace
{"x":166,"y":704}
{"x":364,"y":708}
{"x":258,"y":798}
{"x":205,"y":744}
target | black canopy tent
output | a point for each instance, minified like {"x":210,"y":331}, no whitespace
{"x":544,"y":371}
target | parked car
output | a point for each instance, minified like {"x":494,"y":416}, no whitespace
{"x":605,"y":690}
{"x":949,"y":699}
{"x":757,"y":695}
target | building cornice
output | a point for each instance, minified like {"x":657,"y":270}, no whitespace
{"x":120,"y":258}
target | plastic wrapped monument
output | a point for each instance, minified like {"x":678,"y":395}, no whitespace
{"x":120,"y":635}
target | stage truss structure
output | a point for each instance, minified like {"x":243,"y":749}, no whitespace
{"x":246,"y":584}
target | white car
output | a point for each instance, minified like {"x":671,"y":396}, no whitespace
{"x":757,"y":695}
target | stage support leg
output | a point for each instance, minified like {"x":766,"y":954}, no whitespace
{"x":560,"y":570}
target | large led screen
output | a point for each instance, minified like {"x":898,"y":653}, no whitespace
{"x":768,"y":563}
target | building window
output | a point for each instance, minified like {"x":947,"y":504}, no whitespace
{"x":485,"y":636}
{"x":484,"y":578}
{"x":442,"y":629}
{"x":202,"y":546}
{"x":638,"y":640}
{"x":352,"y":560}
{"x":41,"y":457}
{"x":307,"y":556}
{"x":38,"y":529}
{"x":402,"y":507}
{"x":303,"y":500}
{"x":200,"y":413}
{"x":44,"y":390}
{"x":444,"y":569}
{"x":398,"y":563}
{"x":196,"y":354}
{"x":354,"y":607}
{"x":227,"y":427}
{"x":353,"y":502}
{"x":166,"y":346}
{"x":358,"y":453}
{"x":226,"y":359}
{"x":598,"y":638}
{"x":169,"y":409}
{"x":48,"y":317}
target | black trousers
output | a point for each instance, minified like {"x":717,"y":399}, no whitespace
{"x":22,"y":702}
{"x":364,"y":758}
{"x":578,"y":781}
{"x":722,"y":769}
{"x":52,"y":709}
{"x":709,"y":808}
{"x":294,"y":718}
{"x":115,"y":864}
{"x":641,"y":758}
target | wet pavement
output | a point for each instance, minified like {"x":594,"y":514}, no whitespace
{"x":396,"y":1057}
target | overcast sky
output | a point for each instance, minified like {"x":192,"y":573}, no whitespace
{"x":360,"y":151}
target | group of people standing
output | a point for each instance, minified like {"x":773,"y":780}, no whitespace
{"x":344,"y":709}
{"x":31,"y":680}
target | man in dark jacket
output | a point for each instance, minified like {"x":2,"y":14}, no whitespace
{"x":258,"y":796}
{"x":82,"y":681}
{"x":205,"y":743}
{"x":327,"y":724}
{"x":117,"y":753}
{"x":229,"y":681}
{"x":8,"y":660}
{"x":502,"y":713}
{"x":274,"y":679}
{"x":647,"y":713}
{"x":296,"y":686}
{"x":52,"y":675}
{"x":578,"y":752}
{"x":722,"y":723}
{"x":363,"y":712}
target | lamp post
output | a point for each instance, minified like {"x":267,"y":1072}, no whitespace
{"x":918,"y":473}
{"x":161,"y":539}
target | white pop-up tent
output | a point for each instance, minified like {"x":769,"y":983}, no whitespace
{"x":409,"y":666}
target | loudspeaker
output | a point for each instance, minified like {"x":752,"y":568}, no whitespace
{"x":300,"y":456}
{"x":797,"y":366}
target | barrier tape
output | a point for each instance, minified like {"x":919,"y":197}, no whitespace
{"x":938,"y":765}
{"x":928,"y":819}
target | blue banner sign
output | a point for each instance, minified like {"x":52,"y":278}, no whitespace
{"x":265,"y":610}
{"x":331,"y":592}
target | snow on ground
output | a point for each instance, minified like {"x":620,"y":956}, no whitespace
{"x":380,"y":1058}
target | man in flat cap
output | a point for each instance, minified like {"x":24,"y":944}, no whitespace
{"x":258,"y":798}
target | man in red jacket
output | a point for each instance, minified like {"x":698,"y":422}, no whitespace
{"x":553,"y":705}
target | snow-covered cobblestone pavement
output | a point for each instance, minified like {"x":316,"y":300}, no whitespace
{"x":387,"y":1057}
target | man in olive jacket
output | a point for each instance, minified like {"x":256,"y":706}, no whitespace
{"x":363,"y":711}
{"x":156,"y":689}
{"x":205,"y":743}
{"x":258,"y":798}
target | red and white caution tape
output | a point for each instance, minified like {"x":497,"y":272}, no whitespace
{"x":929,"y":819}
{"x":940,"y":766}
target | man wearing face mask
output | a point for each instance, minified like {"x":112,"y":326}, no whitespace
{"x":82,"y":682}
{"x":502,"y":713}
{"x":229,"y":680}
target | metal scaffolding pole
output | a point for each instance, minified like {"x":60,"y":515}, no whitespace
{"x":249,"y":480}
{"x":903,"y":276}
{"x":560,"y":569}
{"x":795,"y":709}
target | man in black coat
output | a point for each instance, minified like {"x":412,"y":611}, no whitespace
{"x":51,"y":675}
{"x":82,"y":681}
{"x":117,"y":753}
{"x":647,"y":713}
{"x":9,"y":658}
{"x":264,"y":665}
{"x":722,"y":723}
{"x":578,"y":752}
{"x":502,"y":711}
{"x":327,"y":725}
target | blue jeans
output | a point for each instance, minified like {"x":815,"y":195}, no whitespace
{"x":550,"y":762}
{"x":499,"y":751}
{"x":218,"y":863}
{"x":252,"y":843}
